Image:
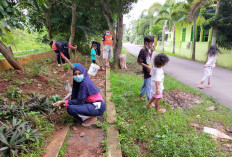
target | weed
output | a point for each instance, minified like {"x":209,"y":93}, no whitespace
{"x":14,"y":93}
{"x":66,"y":67}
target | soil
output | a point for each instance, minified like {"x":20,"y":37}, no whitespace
{"x":181,"y":99}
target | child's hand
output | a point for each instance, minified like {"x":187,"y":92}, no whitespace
{"x":58,"y":103}
{"x":157,"y":92}
{"x":152,"y":49}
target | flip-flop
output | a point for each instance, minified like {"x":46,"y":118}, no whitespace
{"x":200,"y":87}
{"x":162,"y":110}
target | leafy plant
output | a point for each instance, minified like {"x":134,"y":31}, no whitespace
{"x":14,"y":93}
{"x":55,"y":98}
{"x":66,"y":67}
{"x":15,"y":137}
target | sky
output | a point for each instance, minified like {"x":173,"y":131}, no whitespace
{"x":137,"y":10}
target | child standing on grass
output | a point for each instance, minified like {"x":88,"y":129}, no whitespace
{"x":209,"y":66}
{"x":157,"y":79}
{"x":93,"y":53}
{"x":144,"y":59}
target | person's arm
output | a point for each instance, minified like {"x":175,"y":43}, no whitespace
{"x":140,"y":61}
{"x":69,"y":102}
{"x":63,"y":56}
{"x":157,"y":84}
{"x":146,"y":66}
{"x":72,"y":47}
{"x":76,"y":102}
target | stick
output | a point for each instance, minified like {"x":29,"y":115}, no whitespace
{"x":62,"y":55}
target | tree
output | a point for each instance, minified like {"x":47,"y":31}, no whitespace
{"x":171,"y":12}
{"x":10,"y":17}
{"x":192,"y":16}
{"x":113,"y":10}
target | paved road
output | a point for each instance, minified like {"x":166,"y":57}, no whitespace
{"x":190,"y":73}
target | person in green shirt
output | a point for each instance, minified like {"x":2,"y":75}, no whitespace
{"x":93,"y":53}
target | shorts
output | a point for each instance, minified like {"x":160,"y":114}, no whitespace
{"x":159,"y":96}
{"x":107,"y":52}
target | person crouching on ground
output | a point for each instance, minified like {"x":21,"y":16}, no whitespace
{"x":86,"y":99}
{"x":157,"y":79}
{"x":144,"y":59}
{"x":209,"y":66}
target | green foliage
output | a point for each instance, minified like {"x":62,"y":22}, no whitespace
{"x":14,"y":93}
{"x":10,"y":15}
{"x":66,"y":67}
{"x":156,"y":30}
{"x":16,"y":136}
{"x":222,"y":21}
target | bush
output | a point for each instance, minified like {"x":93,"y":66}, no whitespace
{"x":15,"y":137}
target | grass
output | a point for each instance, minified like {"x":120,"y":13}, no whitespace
{"x":23,"y":41}
{"x":62,"y":151}
{"x":145,"y":133}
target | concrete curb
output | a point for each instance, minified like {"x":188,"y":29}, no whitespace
{"x":55,"y":145}
{"x":113,"y":143}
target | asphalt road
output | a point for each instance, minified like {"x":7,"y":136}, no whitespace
{"x":191,"y":72}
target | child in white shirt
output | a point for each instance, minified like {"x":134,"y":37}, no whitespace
{"x":157,"y":79}
{"x":209,"y":66}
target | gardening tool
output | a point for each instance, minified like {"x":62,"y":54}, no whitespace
{"x":72,"y":64}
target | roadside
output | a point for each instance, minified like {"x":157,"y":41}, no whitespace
{"x":178,"y":132}
{"x":190,"y":73}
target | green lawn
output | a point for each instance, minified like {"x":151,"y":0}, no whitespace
{"x":20,"y":40}
{"x":145,"y":133}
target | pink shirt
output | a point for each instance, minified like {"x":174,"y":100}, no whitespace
{"x":90,"y":99}
{"x":94,"y":98}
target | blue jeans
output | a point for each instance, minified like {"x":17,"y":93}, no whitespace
{"x":85,"y":110}
{"x":146,"y":88}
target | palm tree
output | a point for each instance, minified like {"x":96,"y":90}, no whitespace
{"x":170,"y":13}
{"x":192,"y":17}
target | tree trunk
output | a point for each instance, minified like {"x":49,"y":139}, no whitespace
{"x":47,"y":14}
{"x":8,"y":54}
{"x":163,"y":34}
{"x":109,"y":19}
{"x":194,"y":39}
{"x":118,"y":45}
{"x":73,"y":25}
{"x":214,"y":36}
{"x":174,"y":39}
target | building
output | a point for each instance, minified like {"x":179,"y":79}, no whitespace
{"x":184,"y":42}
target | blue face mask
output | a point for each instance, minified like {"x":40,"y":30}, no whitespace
{"x":107,"y":34}
{"x":78,"y":78}
{"x":146,"y":47}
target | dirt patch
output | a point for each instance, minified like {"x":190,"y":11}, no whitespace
{"x":180,"y":99}
{"x":85,"y":142}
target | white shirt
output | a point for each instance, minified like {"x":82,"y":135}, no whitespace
{"x":157,"y":74}
{"x":211,"y":62}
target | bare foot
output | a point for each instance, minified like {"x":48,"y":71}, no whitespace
{"x":162,"y":110}
{"x":200,"y":86}
{"x":141,"y":98}
{"x":208,"y":86}
{"x":90,"y":121}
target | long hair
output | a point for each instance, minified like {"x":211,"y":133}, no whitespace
{"x":213,"y":50}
